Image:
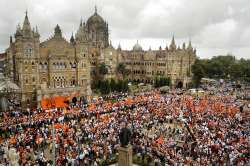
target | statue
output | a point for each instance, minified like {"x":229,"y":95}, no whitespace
{"x":125,"y":136}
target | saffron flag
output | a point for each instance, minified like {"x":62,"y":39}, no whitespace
{"x":54,"y":102}
{"x":159,"y":141}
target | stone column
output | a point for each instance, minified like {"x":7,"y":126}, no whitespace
{"x":125,"y":156}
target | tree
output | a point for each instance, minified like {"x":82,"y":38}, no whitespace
{"x":112,"y":85}
{"x":103,"y":69}
{"x":226,"y":67}
{"x":104,"y":87}
{"x":121,"y":69}
{"x":161,"y":81}
{"x":198,"y":72}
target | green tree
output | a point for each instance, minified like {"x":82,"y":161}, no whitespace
{"x":161,"y":81}
{"x":198,"y":72}
{"x":104,"y":87}
{"x":226,"y":67}
{"x":112,"y":85}
{"x":121,"y":69}
{"x":125,"y":87}
{"x":103,"y":69}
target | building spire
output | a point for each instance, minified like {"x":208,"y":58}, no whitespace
{"x":95,"y":9}
{"x":72,"y":40}
{"x":58,"y":31}
{"x":10,"y":39}
{"x":26,"y":23}
{"x":173,"y":41}
{"x":26,"y":26}
{"x":119,"y":46}
{"x":173,"y":45}
{"x":190,"y":45}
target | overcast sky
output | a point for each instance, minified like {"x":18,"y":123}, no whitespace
{"x":214,"y":26}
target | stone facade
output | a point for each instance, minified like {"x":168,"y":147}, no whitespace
{"x":173,"y":62}
{"x":60,"y":67}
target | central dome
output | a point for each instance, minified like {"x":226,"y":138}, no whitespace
{"x":95,"y":22}
{"x":137,"y":47}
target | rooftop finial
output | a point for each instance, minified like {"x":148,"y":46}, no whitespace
{"x":26,"y":13}
{"x":95,"y":9}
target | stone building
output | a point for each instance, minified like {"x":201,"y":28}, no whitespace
{"x":173,"y":62}
{"x":61,"y":67}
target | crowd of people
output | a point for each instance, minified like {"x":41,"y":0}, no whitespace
{"x":171,"y":129}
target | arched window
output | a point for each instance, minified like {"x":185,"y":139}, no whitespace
{"x":40,"y":65}
{"x":45,"y":65}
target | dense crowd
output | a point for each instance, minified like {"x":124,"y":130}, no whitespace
{"x":166,"y":128}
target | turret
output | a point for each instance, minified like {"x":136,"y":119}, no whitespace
{"x":166,"y":47}
{"x":26,"y":30}
{"x":172,"y":45}
{"x":184,"y":46}
{"x":10,"y":39}
{"x":119,"y":47}
{"x":81,"y":34}
{"x":190,"y":45}
{"x":110,"y":44}
{"x":72,"y":40}
{"x":18,"y":33}
{"x":58,"y":31}
{"x":36,"y":33}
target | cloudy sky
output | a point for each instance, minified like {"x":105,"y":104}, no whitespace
{"x":214,"y":26}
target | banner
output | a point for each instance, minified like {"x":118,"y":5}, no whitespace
{"x":55,"y":102}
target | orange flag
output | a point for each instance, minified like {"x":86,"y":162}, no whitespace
{"x":54,"y":102}
{"x":58,"y":126}
{"x":159,"y":141}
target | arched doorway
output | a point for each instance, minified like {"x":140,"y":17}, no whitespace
{"x":179,"y":85}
